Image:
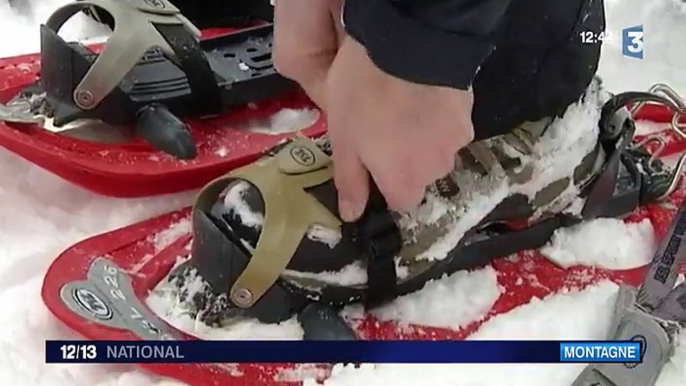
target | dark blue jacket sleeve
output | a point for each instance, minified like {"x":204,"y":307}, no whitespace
{"x":436,"y":42}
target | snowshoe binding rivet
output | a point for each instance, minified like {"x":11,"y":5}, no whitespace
{"x":84,"y":99}
{"x":242,"y":297}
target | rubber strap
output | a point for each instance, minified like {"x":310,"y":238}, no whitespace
{"x":201,"y":79}
{"x":604,"y":184}
{"x":378,"y":238}
{"x":616,"y":136}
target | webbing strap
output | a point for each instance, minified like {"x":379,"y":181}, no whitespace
{"x":379,"y":239}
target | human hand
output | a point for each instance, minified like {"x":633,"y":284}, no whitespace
{"x":307,"y":34}
{"x":406,"y":135}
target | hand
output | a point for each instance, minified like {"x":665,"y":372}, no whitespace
{"x":307,"y":34}
{"x":404,"y":134}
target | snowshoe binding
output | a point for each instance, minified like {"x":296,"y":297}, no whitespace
{"x":157,"y":108}
{"x":268,"y":239}
{"x":153,"y":70}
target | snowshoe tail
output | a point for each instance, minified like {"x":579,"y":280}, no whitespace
{"x":269,"y":241}
{"x":152,"y":69}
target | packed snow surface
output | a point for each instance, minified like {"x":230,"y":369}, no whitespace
{"x":42,"y":215}
{"x":575,"y":315}
{"x":628,"y":246}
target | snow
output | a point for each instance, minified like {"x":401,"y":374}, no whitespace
{"x":283,"y":121}
{"x":26,"y":27}
{"x":168,"y":236}
{"x":576,"y":315}
{"x":165,"y":303}
{"x":350,"y":275}
{"x":43,"y":214}
{"x":570,"y":246}
{"x":664,"y":26}
{"x":234,"y":202}
{"x":471,"y":294}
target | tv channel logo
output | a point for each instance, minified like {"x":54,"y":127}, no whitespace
{"x":632,"y":42}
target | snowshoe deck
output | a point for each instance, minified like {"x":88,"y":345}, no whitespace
{"x":123,"y":145}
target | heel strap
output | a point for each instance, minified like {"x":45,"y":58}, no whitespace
{"x":289,"y":211}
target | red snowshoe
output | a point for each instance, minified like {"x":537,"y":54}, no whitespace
{"x":265,"y":241}
{"x":155,"y":109}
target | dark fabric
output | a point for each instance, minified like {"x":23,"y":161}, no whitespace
{"x":208,"y":13}
{"x":404,"y":40}
{"x":540,"y":65}
{"x":524,"y":58}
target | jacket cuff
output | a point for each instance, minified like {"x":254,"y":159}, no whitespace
{"x":412,"y":50}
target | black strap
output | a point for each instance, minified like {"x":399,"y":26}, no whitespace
{"x":615,"y":141}
{"x":378,"y":237}
{"x":191,"y":57}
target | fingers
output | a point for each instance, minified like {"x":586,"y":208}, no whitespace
{"x":403,"y":182}
{"x":306,"y":39}
{"x":352,"y":182}
{"x":404,"y":135}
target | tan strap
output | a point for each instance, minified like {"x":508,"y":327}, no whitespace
{"x":289,"y":211}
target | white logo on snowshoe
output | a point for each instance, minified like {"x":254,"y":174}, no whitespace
{"x":303,"y":155}
{"x":92,"y":303}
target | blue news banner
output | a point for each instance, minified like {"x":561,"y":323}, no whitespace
{"x":341,"y":352}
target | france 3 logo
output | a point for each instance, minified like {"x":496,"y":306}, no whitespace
{"x":632,"y":42}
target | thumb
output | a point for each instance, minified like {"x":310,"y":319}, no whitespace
{"x":352,"y":182}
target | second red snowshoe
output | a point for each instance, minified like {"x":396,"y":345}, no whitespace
{"x":265,"y":241}
{"x":155,"y":109}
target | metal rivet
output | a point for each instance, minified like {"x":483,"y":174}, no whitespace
{"x":84,"y":98}
{"x":242,"y":297}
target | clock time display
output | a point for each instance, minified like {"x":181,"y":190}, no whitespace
{"x":590,"y":37}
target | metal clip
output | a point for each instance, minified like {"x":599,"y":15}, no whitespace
{"x":676,"y":103}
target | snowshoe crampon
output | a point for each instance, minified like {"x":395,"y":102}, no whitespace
{"x":156,"y":109}
{"x":265,"y":241}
